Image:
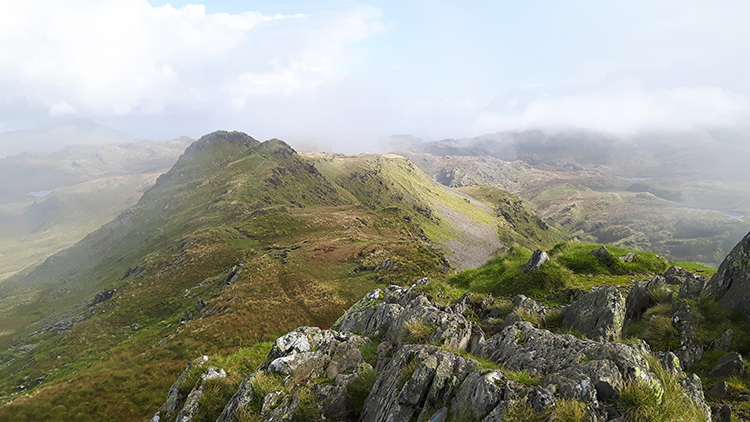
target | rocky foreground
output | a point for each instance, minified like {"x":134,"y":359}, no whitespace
{"x":398,"y":356}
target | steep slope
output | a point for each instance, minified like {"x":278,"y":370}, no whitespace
{"x":239,"y":240}
{"x":49,"y":201}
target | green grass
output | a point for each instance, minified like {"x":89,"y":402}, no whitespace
{"x":357,"y":391}
{"x":571,"y":265}
{"x":643,"y":403}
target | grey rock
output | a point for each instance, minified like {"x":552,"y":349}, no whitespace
{"x":729,"y":365}
{"x":721,"y":414}
{"x":693,"y":389}
{"x":629,"y":257}
{"x":241,"y":398}
{"x":724,"y":341}
{"x":692,"y":287}
{"x":689,"y":354}
{"x":719,"y":390}
{"x":477,"y":338}
{"x":589,"y":381}
{"x":732,"y":280}
{"x":417,"y":380}
{"x":540,"y":352}
{"x":309,"y":353}
{"x":639,"y":298}
{"x":541,"y":398}
{"x":528,"y":305}
{"x":676,"y":275}
{"x":479,"y":394}
{"x":191,"y":406}
{"x":538,"y":258}
{"x":599,"y":314}
{"x":601,"y":253}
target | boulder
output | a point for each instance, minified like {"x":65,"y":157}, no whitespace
{"x":479,"y":394}
{"x":724,"y":341}
{"x":692,"y":287}
{"x":602,"y":253}
{"x":719,"y":391}
{"x":639,"y":298}
{"x":676,"y":275}
{"x":309,"y":353}
{"x":728,"y":365}
{"x":538,"y":258}
{"x":628,"y":258}
{"x":721,"y":414}
{"x":599,"y":315}
{"x":589,"y":381}
{"x":731,"y":282}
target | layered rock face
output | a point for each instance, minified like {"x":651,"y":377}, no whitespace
{"x":437,"y":379}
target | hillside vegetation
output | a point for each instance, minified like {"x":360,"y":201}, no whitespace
{"x":237,"y":243}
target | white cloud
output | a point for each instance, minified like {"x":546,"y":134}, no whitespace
{"x":625,"y":108}
{"x":120,"y":57}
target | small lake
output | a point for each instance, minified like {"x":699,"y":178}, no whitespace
{"x":731,"y":214}
{"x":40,"y":193}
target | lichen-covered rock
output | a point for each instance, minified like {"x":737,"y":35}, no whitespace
{"x":540,"y":352}
{"x":599,"y":315}
{"x":728,"y":365}
{"x":309,"y":353}
{"x":417,"y":380}
{"x":732,"y":280}
{"x":386,"y":312}
{"x":690,"y":351}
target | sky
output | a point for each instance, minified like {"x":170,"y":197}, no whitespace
{"x":342,"y":75}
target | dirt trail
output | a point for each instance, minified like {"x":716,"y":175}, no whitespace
{"x":476,"y":242}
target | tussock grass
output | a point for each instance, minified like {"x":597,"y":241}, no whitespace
{"x":416,"y":332}
{"x":642,"y":403}
{"x":565,"y":410}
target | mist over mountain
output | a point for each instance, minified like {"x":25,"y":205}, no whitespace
{"x":684,"y":194}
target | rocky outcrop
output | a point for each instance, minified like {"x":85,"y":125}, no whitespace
{"x":599,"y":315}
{"x":731,"y":281}
{"x":321,"y":369}
{"x":387,"y":312}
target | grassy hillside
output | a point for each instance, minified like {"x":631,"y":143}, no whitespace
{"x":238,"y":242}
